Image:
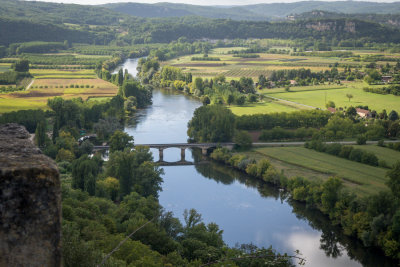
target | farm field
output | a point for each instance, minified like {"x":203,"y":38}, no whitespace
{"x":235,"y":67}
{"x":316,"y":96}
{"x":391,"y":156}
{"x":60,"y":74}
{"x":37,"y":97}
{"x":4,"y":67}
{"x":262,"y":107}
{"x":359,"y":178}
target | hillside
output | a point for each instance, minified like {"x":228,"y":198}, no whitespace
{"x":274,"y":11}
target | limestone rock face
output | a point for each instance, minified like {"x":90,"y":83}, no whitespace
{"x":30,"y":202}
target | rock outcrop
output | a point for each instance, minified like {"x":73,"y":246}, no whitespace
{"x":30,"y":202}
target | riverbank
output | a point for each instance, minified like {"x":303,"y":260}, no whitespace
{"x":331,"y":196}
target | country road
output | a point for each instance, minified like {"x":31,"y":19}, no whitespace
{"x":29,"y":86}
{"x":274,"y":144}
{"x":291,"y":102}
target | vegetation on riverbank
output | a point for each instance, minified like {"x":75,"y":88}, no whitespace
{"x":357,"y":215}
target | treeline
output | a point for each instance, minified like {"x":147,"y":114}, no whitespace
{"x":167,"y":30}
{"x":17,"y":31}
{"x":375,"y":219}
{"x":393,"y":89}
{"x":347,"y":152}
{"x":12,"y":77}
{"x":37,"y":47}
{"x":243,"y":55}
{"x":278,"y":133}
{"x":297,"y":119}
{"x":342,"y":54}
{"x":205,"y":59}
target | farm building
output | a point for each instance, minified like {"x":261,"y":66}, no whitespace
{"x":363,"y":113}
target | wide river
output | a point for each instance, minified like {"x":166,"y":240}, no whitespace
{"x":248,"y":211}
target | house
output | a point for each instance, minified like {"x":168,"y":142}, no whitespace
{"x":293,"y":82}
{"x":387,"y":79}
{"x":331,"y":110}
{"x":363,"y":113}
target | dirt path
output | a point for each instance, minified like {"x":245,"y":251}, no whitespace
{"x":29,"y":85}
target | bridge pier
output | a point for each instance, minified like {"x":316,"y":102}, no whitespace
{"x":204,"y":151}
{"x":183,"y":155}
{"x":160,"y":154}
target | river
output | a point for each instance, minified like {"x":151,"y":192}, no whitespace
{"x":248,"y":211}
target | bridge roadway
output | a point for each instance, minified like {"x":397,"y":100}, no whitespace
{"x":203,"y":146}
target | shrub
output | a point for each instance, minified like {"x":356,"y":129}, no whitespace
{"x":333,"y":149}
{"x":381,"y":143}
{"x":369,"y":158}
{"x":345,"y":151}
{"x":356,"y":155}
{"x":361,"y":140}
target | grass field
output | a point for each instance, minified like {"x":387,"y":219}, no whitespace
{"x":5,"y":67}
{"x":360,"y":178}
{"x":391,"y":156}
{"x":317,"y":95}
{"x":37,"y":98}
{"x":235,"y":67}
{"x":62,"y":74}
{"x":262,"y":107}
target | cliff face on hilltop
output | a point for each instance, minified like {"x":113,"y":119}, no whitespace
{"x":30,"y":202}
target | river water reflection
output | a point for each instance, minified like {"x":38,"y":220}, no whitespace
{"x":248,"y":211}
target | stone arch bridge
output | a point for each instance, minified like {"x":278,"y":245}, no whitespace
{"x":183,"y":146}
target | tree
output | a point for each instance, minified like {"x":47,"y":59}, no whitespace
{"x":205,"y":100}
{"x":330,"y":193}
{"x":230,"y":99}
{"x":394,"y":179}
{"x":135,"y":171}
{"x":330,"y":104}
{"x":21,"y":65}
{"x":84,"y":174}
{"x":243,"y":139}
{"x":212,"y":123}
{"x":393,"y":116}
{"x":351,"y":112}
{"x":120,"y":77}
{"x":40,"y":134}
{"x":120,"y":140}
{"x":349,"y":96}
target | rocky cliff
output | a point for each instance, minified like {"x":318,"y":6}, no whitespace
{"x":30,"y":202}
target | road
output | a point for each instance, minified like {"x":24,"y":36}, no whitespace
{"x":274,"y":144}
{"x":29,"y":86}
{"x":291,"y":102}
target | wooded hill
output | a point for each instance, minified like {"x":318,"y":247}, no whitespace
{"x":22,"y":21}
{"x":271,"y":11}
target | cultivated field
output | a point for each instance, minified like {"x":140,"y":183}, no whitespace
{"x":265,"y":106}
{"x":62,"y":74}
{"x":391,"y":156}
{"x":360,"y":178}
{"x":43,"y":89}
{"x":317,"y":96}
{"x":235,"y":67}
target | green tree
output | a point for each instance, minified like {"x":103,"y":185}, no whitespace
{"x":330,"y":104}
{"x":393,"y":116}
{"x":135,"y":171}
{"x":212,"y":123}
{"x":40,"y":134}
{"x":242,"y":139}
{"x":84,"y":174}
{"x":394,"y":179}
{"x":120,"y":140}
{"x":21,"y":65}
{"x":349,"y":96}
{"x":120,"y":77}
{"x":330,"y":193}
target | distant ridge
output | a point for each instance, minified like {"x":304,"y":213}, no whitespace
{"x":273,"y":11}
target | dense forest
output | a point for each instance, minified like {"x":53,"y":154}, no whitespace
{"x":26,"y":21}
